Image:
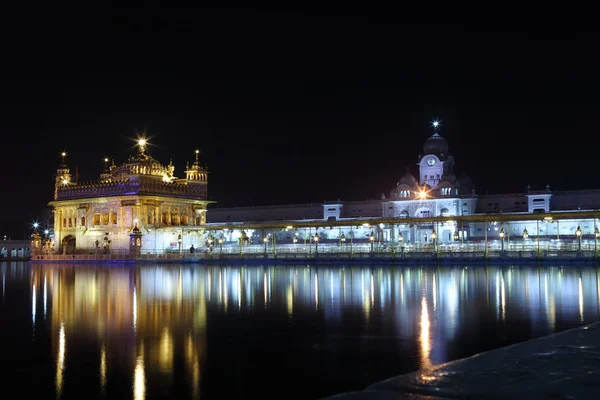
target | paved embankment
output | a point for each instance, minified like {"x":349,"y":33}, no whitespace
{"x":565,"y":365}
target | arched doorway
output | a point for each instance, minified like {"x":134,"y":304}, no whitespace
{"x":68,"y":244}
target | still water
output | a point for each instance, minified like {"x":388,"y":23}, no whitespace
{"x":237,"y":332}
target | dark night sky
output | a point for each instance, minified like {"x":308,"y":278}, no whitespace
{"x":293,"y":106}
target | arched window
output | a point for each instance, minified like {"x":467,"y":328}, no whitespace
{"x":404,"y":214}
{"x":444,"y":212}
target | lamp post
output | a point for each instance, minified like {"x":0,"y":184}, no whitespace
{"x":179,"y":242}
{"x":342,"y":240}
{"x":372,"y":239}
{"x":316,"y":239}
{"x":502,"y":241}
{"x":579,"y":234}
{"x":265,"y":241}
{"x":221,"y":240}
{"x":433,"y":239}
{"x":525,"y":236}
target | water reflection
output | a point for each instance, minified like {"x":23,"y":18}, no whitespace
{"x":149,"y":324}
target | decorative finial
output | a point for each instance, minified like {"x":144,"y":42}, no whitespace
{"x":142,"y":145}
{"x":197,"y":154}
{"x":436,"y":123}
{"x":63,"y":158}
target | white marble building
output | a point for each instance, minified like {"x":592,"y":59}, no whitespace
{"x":436,"y":192}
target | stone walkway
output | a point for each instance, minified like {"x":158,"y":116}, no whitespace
{"x":565,"y":365}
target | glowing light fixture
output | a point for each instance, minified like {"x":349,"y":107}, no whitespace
{"x":578,"y":232}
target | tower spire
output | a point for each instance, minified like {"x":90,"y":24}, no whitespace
{"x":197,"y":151}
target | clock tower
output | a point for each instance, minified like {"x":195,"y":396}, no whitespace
{"x":432,"y":163}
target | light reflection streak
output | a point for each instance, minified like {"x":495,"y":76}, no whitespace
{"x":220,"y":287}
{"x":580,"y":299}
{"x":139,"y":379}
{"x":134,"y":308}
{"x":265,"y":286}
{"x":503,"y":298}
{"x":372,"y":291}
{"x":424,"y":337}
{"x":165,"y":355}
{"x":434,"y":290}
{"x":60,"y":359}
{"x":290,"y":300}
{"x":239,"y":289}
{"x":225,"y":293}
{"x":45,"y":294}
{"x":33,"y":304}
{"x":316,"y":291}
{"x":103,"y":368}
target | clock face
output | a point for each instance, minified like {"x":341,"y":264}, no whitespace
{"x":431,"y":161}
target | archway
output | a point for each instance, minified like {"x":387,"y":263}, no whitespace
{"x":68,"y":244}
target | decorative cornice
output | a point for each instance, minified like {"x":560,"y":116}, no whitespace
{"x":140,"y":186}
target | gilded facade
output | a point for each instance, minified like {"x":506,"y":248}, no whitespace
{"x":141,"y":193}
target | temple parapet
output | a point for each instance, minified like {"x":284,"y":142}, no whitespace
{"x":140,"y":186}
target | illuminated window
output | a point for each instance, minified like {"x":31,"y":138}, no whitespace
{"x":82,"y":222}
{"x":96,"y":219}
{"x":114,"y":218}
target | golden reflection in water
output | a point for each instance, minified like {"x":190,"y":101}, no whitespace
{"x":139,"y":379}
{"x":194,"y":364}
{"x":60,"y":359}
{"x":580,"y":299}
{"x":209,"y":283}
{"x":165,"y":353}
{"x":103,"y":368}
{"x":167,"y":307}
{"x":424,"y":337}
{"x":290,"y":300}
{"x":134,"y":308}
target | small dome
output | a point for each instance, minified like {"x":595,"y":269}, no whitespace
{"x":436,"y":145}
{"x":407,"y":179}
